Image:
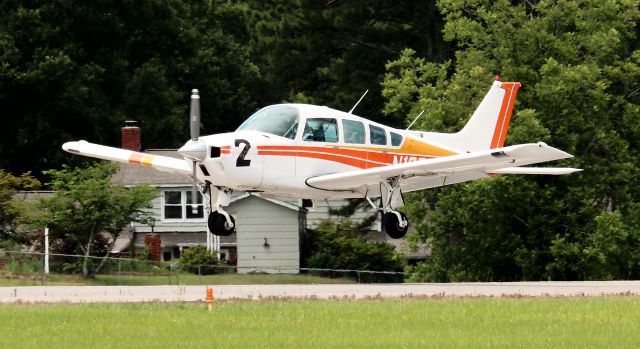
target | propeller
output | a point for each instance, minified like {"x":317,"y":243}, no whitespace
{"x":194,"y":149}
{"x":194,"y":125}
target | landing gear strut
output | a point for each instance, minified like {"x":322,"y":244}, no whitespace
{"x":220,"y":222}
{"x":394,"y":222}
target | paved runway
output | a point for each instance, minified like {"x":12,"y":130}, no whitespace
{"x":92,"y":294}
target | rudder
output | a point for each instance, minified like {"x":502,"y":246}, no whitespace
{"x":487,"y":127}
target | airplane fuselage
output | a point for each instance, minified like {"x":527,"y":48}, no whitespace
{"x":310,"y":141}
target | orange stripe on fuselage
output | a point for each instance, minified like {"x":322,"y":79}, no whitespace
{"x":502,"y":125}
{"x":360,"y":156}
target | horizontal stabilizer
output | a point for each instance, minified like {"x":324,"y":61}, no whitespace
{"x":161,"y":163}
{"x":537,"y":170}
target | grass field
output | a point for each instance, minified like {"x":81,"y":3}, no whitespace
{"x":456,"y":323}
{"x":168,"y":279}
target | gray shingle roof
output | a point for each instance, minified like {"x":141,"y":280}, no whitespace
{"x":137,"y":175}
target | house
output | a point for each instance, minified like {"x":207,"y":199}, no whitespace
{"x":269,"y":230}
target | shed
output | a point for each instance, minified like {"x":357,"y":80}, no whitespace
{"x":268,"y":235}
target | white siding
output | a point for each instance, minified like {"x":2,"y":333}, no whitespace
{"x":166,"y":226}
{"x":320,"y":212}
{"x":278,"y":224}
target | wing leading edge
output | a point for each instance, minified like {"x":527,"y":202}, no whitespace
{"x":161,"y":163}
{"x":505,"y":160}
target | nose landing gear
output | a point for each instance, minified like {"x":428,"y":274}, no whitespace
{"x":219,"y":222}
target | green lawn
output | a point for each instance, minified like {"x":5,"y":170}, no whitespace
{"x":166,"y":279}
{"x":456,"y":323}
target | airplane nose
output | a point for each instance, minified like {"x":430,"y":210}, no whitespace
{"x":194,"y":150}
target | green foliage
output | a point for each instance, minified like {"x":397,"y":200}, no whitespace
{"x":579,"y":63}
{"x":85,"y":205}
{"x":331,"y":52}
{"x":197,"y":259}
{"x":78,"y":69}
{"x":198,"y":255}
{"x":10,"y":206}
{"x":339,"y":245}
{"x":22,"y":264}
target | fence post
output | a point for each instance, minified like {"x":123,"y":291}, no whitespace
{"x":199,"y":275}
{"x":43,"y":270}
{"x":119,"y":267}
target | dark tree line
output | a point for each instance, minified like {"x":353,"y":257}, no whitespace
{"x":77,"y":69}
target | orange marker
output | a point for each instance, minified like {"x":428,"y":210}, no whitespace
{"x":209,"y":298}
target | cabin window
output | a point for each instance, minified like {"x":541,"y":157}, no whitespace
{"x":320,"y":130}
{"x":377,"y":135}
{"x":396,"y":139}
{"x":177,"y":205}
{"x":277,"y":120}
{"x":353,"y":131}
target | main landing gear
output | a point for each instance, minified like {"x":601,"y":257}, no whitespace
{"x":394,"y":222}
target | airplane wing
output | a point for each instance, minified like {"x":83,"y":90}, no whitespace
{"x":161,"y":163}
{"x":447,"y":170}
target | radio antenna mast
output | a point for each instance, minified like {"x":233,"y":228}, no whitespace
{"x":358,"y":102}
{"x":416,"y":119}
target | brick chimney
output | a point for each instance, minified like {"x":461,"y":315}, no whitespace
{"x":152,"y":242}
{"x":131,"y":136}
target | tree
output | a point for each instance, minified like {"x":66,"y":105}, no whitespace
{"x":77,"y":70}
{"x":86,"y":205}
{"x":330,"y":52}
{"x":579,"y":63}
{"x":339,"y":245}
{"x":10,"y":206}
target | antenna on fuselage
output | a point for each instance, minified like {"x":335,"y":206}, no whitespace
{"x":358,"y":102}
{"x":416,"y":119}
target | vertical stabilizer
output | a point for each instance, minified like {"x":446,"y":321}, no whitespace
{"x":488,"y":125}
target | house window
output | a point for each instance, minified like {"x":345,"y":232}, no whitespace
{"x":177,"y":205}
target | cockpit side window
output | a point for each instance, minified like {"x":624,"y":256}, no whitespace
{"x":353,"y":131}
{"x":378,"y":135}
{"x":278,"y":120}
{"x":320,"y":130}
{"x":396,"y":139}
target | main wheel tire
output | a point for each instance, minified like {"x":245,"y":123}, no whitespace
{"x":392,"y":225}
{"x":212,"y":222}
{"x":223,"y":228}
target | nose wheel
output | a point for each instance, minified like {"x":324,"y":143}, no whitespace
{"x":220,"y":225}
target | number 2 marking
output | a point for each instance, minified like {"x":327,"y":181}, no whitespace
{"x":242,"y":162}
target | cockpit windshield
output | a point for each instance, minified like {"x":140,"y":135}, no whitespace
{"x":277,"y":120}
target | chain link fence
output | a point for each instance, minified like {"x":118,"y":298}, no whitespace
{"x":28,"y":268}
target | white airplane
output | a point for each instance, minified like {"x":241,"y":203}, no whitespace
{"x":312,"y":152}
